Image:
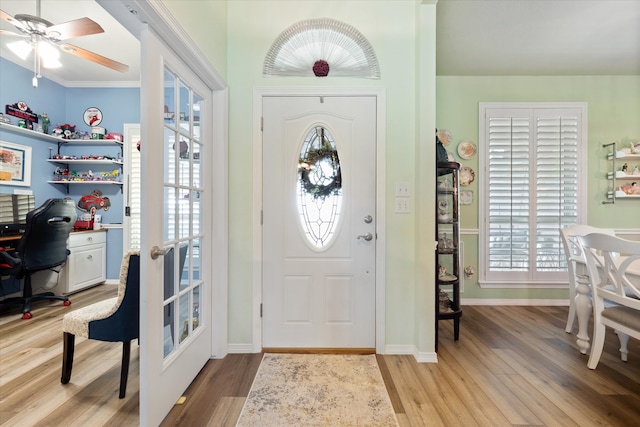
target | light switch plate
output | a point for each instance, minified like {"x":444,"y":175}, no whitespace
{"x":403,"y":205}
{"x":402,"y":189}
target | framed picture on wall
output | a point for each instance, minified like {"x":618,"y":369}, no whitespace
{"x":15,"y":164}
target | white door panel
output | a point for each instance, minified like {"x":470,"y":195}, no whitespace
{"x":319,"y":295}
{"x":175,"y":308}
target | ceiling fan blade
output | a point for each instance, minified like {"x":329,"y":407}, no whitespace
{"x":12,"y":34}
{"x":76,"y":28}
{"x":94,"y":57}
{"x":10,"y":19}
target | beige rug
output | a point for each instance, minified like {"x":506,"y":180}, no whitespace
{"x":317,"y":390}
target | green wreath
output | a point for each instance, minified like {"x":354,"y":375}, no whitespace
{"x":314,"y":158}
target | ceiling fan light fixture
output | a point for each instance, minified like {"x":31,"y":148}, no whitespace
{"x":21,"y":48}
{"x":49,"y":54}
{"x":51,"y":63}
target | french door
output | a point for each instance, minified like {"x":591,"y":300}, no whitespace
{"x":176,"y":338}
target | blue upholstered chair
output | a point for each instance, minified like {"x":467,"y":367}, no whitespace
{"x":114,"y":320}
{"x":43,"y":246}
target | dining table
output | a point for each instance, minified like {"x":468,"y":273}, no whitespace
{"x":583,"y":302}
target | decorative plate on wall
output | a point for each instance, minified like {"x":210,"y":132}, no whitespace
{"x":467,"y":149}
{"x":467,"y":175}
{"x":466,"y":197}
{"x":445,"y":136}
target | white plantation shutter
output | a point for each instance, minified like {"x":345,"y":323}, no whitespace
{"x":132,"y":192}
{"x":14,"y":208}
{"x":135,"y":206}
{"x":556,"y":183}
{"x":530,"y":188}
{"x":509,"y":193}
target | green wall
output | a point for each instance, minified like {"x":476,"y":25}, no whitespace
{"x":206,"y":24}
{"x":402,"y":32}
{"x":613,"y":115}
{"x":390,"y":27}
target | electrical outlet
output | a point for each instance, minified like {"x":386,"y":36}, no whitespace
{"x":402,"y":189}
{"x":402,"y":204}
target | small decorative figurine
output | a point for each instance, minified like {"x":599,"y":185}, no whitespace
{"x":444,"y":215}
{"x":632,"y":190}
{"x":444,"y":275}
{"x":44,"y":118}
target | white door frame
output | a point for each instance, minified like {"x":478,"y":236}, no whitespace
{"x":380,"y":95}
{"x":159,"y":19}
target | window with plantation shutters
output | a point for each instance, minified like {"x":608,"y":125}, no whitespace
{"x":531,"y":178}
{"x":132,"y":191}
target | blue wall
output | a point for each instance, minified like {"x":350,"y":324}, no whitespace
{"x":67,"y":105}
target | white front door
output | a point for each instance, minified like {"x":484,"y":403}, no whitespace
{"x":319,"y":225}
{"x":175,"y":296}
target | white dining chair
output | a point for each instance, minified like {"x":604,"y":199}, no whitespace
{"x":578,"y":273}
{"x":612,"y":263}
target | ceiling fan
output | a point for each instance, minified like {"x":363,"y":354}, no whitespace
{"x":46,"y":39}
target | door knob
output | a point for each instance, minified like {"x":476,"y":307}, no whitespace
{"x":156,"y":252}
{"x":366,"y":237}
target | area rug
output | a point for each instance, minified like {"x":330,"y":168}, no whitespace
{"x":317,"y":390}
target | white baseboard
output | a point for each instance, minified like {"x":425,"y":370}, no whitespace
{"x":421,"y":357}
{"x":427,"y":357}
{"x":400,"y":349}
{"x":240,"y":348}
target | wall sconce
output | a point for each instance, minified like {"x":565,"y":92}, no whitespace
{"x":469,"y":271}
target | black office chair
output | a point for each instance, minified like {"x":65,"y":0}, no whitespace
{"x":43,"y":246}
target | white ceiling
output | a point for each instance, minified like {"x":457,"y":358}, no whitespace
{"x":538,"y":37}
{"x":474,"y":37}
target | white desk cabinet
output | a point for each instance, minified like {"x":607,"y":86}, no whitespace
{"x":87,"y":262}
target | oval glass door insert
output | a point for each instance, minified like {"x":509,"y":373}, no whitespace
{"x":319,"y":188}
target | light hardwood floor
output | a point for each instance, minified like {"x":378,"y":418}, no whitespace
{"x":513,"y":366}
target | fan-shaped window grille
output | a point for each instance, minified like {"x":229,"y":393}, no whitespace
{"x":321,"y":47}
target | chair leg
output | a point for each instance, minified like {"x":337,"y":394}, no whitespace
{"x":598,"y":344}
{"x":68,"y":342}
{"x":124,"y":373}
{"x":572,"y":307}
{"x":27,"y":293}
{"x":624,"y":345}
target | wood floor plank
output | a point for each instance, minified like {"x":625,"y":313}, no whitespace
{"x":582,"y":412}
{"x":390,"y":385}
{"x":513,"y":366}
{"x":470,"y":392}
{"x":545,"y":411}
{"x":419,"y":407}
{"x":227,"y":412}
{"x":483,"y":366}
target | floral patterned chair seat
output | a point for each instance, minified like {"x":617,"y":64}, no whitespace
{"x":113,"y":320}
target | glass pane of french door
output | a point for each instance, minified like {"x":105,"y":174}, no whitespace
{"x":181,"y":213}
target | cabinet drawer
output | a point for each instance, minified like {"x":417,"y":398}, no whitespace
{"x":79,"y":239}
{"x":85,"y":267}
